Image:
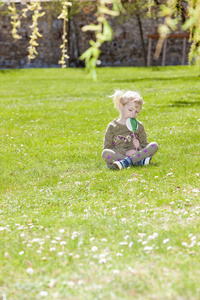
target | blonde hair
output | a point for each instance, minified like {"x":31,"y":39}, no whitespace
{"x":124,"y":97}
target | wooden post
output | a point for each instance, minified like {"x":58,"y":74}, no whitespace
{"x":183,"y":54}
{"x":164,"y":52}
{"x":149,"y":53}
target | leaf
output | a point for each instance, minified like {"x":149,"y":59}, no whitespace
{"x":91,"y":27}
{"x":87,"y":53}
{"x":107,"y":31}
{"x":107,"y":11}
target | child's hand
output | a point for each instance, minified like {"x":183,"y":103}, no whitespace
{"x":136,"y":143}
{"x":130,"y":152}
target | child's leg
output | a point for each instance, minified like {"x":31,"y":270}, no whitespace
{"x":109,"y":156}
{"x":148,"y":151}
{"x":140,"y":157}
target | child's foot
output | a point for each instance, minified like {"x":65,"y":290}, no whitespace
{"x":112,"y":167}
{"x":123,"y":164}
{"x":146,"y":161}
{"x":127,"y":162}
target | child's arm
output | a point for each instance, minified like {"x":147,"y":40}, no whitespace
{"x":136,"y":144}
{"x":108,"y":139}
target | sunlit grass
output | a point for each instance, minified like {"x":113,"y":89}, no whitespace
{"x":72,"y":229}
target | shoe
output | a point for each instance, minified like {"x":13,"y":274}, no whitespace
{"x":111,"y":167}
{"x":123,"y":164}
{"x":118,"y":165}
{"x":147,"y":161}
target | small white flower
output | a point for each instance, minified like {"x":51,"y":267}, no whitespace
{"x":132,"y":179}
{"x":115,"y":271}
{"x":169,"y":247}
{"x":193,"y":238}
{"x":43,"y":293}
{"x":145,"y":242}
{"x":141,"y":234}
{"x":118,"y":254}
{"x":130,"y":244}
{"x":92,"y":239}
{"x":114,"y":208}
{"x":131,"y":270}
{"x":184,"y":244}
{"x":39,"y":251}
{"x":104,"y":240}
{"x":52,"y":249}
{"x":29,"y":271}
{"x":21,"y":252}
{"x":61,"y":230}
{"x":102,"y":260}
{"x":126,"y":237}
{"x":63,"y":242}
{"x":123,"y":243}
{"x":165,"y":241}
{"x":70,"y":283}
{"x":2,"y":228}
{"x":94,"y":249}
{"x":155,"y":234}
{"x":193,"y":243}
{"x":148,"y":248}
{"x":60,"y":253}
{"x":124,"y":220}
{"x":22,"y":235}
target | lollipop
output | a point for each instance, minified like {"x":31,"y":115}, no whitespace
{"x":132,"y":124}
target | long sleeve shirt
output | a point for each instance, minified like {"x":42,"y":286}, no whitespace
{"x":120,"y":139}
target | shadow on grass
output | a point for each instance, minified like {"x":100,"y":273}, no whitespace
{"x":9,"y":71}
{"x":140,"y":79}
{"x":184,"y":104}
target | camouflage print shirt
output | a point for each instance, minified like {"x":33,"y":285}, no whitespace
{"x":120,"y":139}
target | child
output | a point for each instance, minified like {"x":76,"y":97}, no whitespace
{"x":125,"y":144}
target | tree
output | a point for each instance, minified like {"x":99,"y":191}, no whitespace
{"x":173,"y":12}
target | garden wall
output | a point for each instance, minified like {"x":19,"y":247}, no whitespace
{"x":124,"y":50}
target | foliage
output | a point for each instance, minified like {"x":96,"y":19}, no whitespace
{"x":34,"y":6}
{"x":103,"y":32}
{"x":16,"y":23}
{"x":72,"y":229}
{"x":173,"y":12}
{"x":64,"y":16}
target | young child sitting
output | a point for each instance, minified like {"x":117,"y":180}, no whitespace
{"x":125,"y":142}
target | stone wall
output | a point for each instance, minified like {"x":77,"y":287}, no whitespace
{"x":124,"y":50}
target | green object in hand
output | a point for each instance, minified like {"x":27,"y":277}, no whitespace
{"x":132,"y":124}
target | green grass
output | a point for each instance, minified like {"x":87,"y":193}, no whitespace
{"x":72,"y":229}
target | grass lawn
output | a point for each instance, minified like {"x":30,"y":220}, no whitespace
{"x":72,"y":229}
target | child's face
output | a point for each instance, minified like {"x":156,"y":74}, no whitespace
{"x":129,"y":110}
